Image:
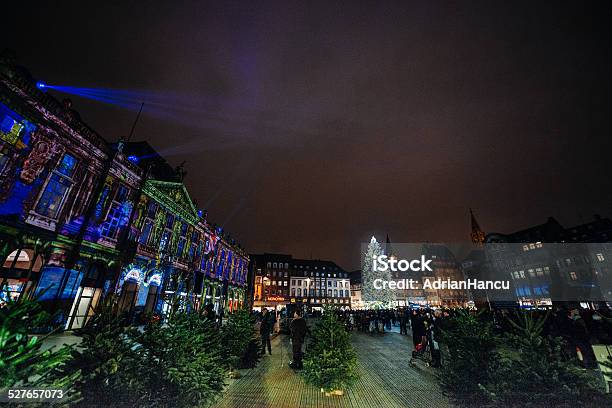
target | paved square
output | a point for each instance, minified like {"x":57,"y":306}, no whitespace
{"x":386,"y":380}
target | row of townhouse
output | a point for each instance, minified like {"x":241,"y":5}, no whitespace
{"x":81,"y":218}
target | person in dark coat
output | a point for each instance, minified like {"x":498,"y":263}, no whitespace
{"x":298,"y":333}
{"x":264,"y":331}
{"x":404,"y":321}
{"x":418,"y":328}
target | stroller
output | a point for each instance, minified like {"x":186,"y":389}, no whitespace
{"x":428,"y":350}
{"x":422,"y":352}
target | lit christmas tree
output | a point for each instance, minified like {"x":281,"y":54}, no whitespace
{"x":375,"y":297}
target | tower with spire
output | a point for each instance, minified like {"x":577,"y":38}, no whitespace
{"x":477,"y":235}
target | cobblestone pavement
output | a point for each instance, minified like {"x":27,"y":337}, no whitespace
{"x":386,"y":380}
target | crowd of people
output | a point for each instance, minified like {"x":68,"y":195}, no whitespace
{"x":579,"y":328}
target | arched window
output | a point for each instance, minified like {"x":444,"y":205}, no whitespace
{"x":25,"y":259}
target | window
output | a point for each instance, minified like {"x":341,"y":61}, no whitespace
{"x":573,"y":276}
{"x":3,"y":160}
{"x":274,"y":265}
{"x":55,"y":191}
{"x":299,"y":291}
{"x":600,"y":257}
{"x":169,"y":221}
{"x":146,"y":231}
{"x":286,"y":282}
{"x":286,"y":265}
{"x":292,"y":291}
{"x":10,"y":130}
{"x":116,"y":214}
{"x":152,"y":210}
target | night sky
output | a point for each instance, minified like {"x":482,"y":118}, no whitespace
{"x":309,"y":127}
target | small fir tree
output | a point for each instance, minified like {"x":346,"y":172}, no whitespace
{"x":330,"y":362}
{"x":109,"y":361}
{"x":23,"y":362}
{"x":182,"y":362}
{"x":241,"y":343}
{"x":533,"y":371}
{"x":471,"y":357}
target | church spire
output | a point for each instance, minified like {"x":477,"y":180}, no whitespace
{"x":388,"y":249}
{"x":477,"y":235}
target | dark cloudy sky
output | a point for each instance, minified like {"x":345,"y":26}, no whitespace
{"x":308,"y":127}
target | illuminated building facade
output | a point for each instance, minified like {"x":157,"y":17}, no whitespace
{"x":280,"y":280}
{"x":549,"y":262}
{"x":81,"y":218}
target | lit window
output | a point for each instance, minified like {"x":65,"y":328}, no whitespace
{"x":52,"y":198}
{"x":573,"y":276}
{"x":117,"y":214}
{"x":600,"y":257}
{"x":10,"y":130}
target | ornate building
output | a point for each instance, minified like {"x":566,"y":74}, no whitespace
{"x":65,"y":200}
{"x":81,"y":218}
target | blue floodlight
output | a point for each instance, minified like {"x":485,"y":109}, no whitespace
{"x":41,"y":85}
{"x":133,"y":159}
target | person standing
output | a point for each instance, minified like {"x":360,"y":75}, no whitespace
{"x":418,"y":328}
{"x":264,"y":331}
{"x":298,"y":333}
{"x":404,"y":322}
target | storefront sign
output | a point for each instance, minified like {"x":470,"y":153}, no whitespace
{"x":275,"y":298}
